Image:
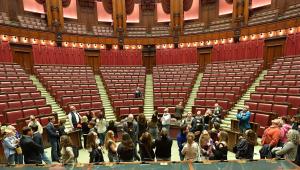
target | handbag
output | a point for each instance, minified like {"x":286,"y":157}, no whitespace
{"x":19,"y":150}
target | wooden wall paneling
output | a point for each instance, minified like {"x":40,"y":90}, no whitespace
{"x":274,"y":48}
{"x":149,"y":60}
{"x":87,"y":15}
{"x":22,"y":54}
{"x":204,"y":57}
{"x":92,"y":58}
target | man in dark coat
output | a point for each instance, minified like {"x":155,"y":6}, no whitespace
{"x":37,"y":138}
{"x":53,"y":136}
{"x":30,"y":149}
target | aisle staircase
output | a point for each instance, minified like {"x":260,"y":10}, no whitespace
{"x":50,"y":100}
{"x":109,"y":113}
{"x":193,"y":95}
{"x":226,"y":123}
{"x":148,"y":101}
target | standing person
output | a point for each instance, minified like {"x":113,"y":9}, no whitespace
{"x":112,"y":127}
{"x":10,"y":143}
{"x":53,"y":137}
{"x":244,"y":119}
{"x":181,"y":140}
{"x":285,"y":127}
{"x":214,"y":132}
{"x":92,"y":144}
{"x":131,"y":127}
{"x":67,"y":153}
{"x":163,"y":146}
{"x":245,"y":147}
{"x":270,"y":139}
{"x":296,"y":122}
{"x":61,"y":127}
{"x":289,"y":149}
{"x":220,"y":150}
{"x":85,"y":129}
{"x":74,"y":118}
{"x":111,"y":146}
{"x":188,"y":120}
{"x":205,"y":146}
{"x":216,"y":116}
{"x":166,"y":119}
{"x":207,"y":116}
{"x":190,"y":149}
{"x":38,"y":139}
{"x":30,"y":149}
{"x":197,"y":125}
{"x":153,"y":127}
{"x":138,"y":93}
{"x":101,"y":128}
{"x":142,"y":124}
{"x":146,"y":147}
{"x":126,"y":149}
{"x":18,"y":156}
{"x":179,"y":109}
{"x":33,"y":121}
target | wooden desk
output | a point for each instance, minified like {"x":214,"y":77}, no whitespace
{"x":235,"y":126}
{"x":76,"y":138}
{"x":233,"y":138}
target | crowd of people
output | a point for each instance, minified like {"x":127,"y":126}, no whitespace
{"x":200,"y":138}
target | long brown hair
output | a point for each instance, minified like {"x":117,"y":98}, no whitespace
{"x":251,"y":137}
{"x":65,"y":141}
{"x":142,"y":119}
{"x":127,"y":141}
{"x":146,"y":139}
{"x":91,"y":140}
{"x":223,"y":136}
{"x":109,"y":137}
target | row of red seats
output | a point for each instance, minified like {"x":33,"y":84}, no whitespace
{"x":127,"y":102}
{"x":123,"y":70}
{"x":231,"y":74}
{"x":121,"y":67}
{"x":59,"y":93}
{"x":169,"y":101}
{"x":9,"y":65}
{"x":172,"y":76}
{"x":63,"y":66}
{"x":241,"y":84}
{"x":293,"y":99}
{"x":239,"y":66}
{"x":16,"y":83}
{"x":20,"y":96}
{"x":74,"y":87}
{"x":123,"y":90}
{"x":13,"y":115}
{"x":174,"y":84}
{"x":270,"y":108}
{"x":236,"y":89}
{"x":283,"y":72}
{"x":123,"y":74}
{"x":179,"y":72}
{"x":229,"y":78}
{"x":58,"y":82}
{"x":231,"y":70}
{"x":13,"y":78}
{"x":7,"y":105}
{"x":276,"y":82}
{"x":18,"y":89}
{"x":282,"y":77}
{"x":124,"y":78}
{"x":85,"y":107}
{"x":125,"y":111}
{"x":64,"y":100}
{"x":64,"y":77}
{"x":278,"y":89}
{"x":225,"y":104}
{"x":284,"y":67}
{"x":159,"y":95}
{"x":124,"y":86}
{"x":62,"y":71}
{"x":182,"y":79}
{"x":231,"y":96}
{"x":72,"y":74}
{"x":237,"y":62}
{"x":171,"y":89}
{"x":116,"y":81}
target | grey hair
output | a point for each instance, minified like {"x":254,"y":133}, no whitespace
{"x":293,"y":136}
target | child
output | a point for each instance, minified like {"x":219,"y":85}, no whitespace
{"x":85,"y":129}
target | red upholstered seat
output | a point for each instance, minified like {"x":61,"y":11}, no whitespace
{"x":294,"y":100}
{"x":66,"y":100}
{"x":13,"y":96}
{"x":168,"y":102}
{"x":252,"y":105}
{"x":14,"y":104}
{"x":3,"y":106}
{"x":85,"y":105}
{"x":263,"y":120}
{"x":138,"y":102}
{"x":97,"y":104}
{"x":280,"y":98}
{"x":45,"y":110}
{"x":44,"y":121}
{"x":281,"y":110}
{"x":134,"y":110}
{"x":268,"y":97}
{"x":124,"y":111}
{"x":118,"y":103}
{"x":28,"y":103}
{"x":128,"y":102}
{"x":86,"y":98}
{"x":199,"y":102}
{"x":255,"y":96}
{"x":12,"y":116}
{"x":28,"y":112}
{"x":158,"y":102}
{"x":267,"y":107}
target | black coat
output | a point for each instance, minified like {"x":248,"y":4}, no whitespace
{"x":51,"y":131}
{"x":147,"y":154}
{"x":38,"y":139}
{"x":163,"y":148}
{"x":31,"y":150}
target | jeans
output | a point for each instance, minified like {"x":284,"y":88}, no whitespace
{"x":19,"y":158}
{"x":11,"y":159}
{"x":54,"y":155}
{"x":101,"y":138}
{"x":153,"y":132}
{"x":45,"y":158}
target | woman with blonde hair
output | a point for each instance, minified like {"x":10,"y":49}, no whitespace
{"x":289,"y":149}
{"x":190,"y":149}
{"x":205,"y":145}
{"x":110,"y":146}
{"x":67,"y":153}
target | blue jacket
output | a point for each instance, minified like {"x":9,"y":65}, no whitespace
{"x":244,"y":120}
{"x":9,"y":146}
